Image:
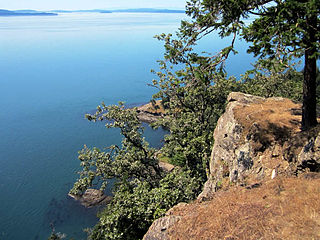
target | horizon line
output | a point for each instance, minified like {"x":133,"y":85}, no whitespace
{"x":105,"y":9}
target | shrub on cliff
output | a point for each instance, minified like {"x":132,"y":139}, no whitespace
{"x":133,"y":209}
{"x":277,"y":81}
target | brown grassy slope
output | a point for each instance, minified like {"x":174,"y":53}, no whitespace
{"x":283,"y":208}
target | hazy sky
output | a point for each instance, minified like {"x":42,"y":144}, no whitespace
{"x":89,"y":4}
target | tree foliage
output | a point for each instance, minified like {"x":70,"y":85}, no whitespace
{"x":134,"y":209}
{"x":142,"y":191}
{"x":133,"y":160}
{"x":278,"y":30}
{"x":194,"y":97}
{"x":275,"y":81}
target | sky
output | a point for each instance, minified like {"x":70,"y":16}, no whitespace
{"x":89,"y":4}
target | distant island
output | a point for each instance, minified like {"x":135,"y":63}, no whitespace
{"x":7,"y":13}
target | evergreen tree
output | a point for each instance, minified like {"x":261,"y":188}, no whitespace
{"x":280,"y":29}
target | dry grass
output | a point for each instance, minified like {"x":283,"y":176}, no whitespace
{"x":284,"y":208}
{"x":272,"y":111}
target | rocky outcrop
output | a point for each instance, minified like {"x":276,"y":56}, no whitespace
{"x":151,"y":112}
{"x":165,"y":166}
{"x":257,"y":142}
{"x":259,"y":137}
{"x":148,"y":117}
{"x":91,"y":198}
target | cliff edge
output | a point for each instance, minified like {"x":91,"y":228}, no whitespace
{"x":264,"y":180}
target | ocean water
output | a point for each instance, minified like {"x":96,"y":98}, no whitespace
{"x":53,"y":70}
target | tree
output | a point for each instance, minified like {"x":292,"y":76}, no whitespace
{"x":142,"y":192}
{"x":133,"y":161}
{"x":279,"y":29}
{"x":194,"y":98}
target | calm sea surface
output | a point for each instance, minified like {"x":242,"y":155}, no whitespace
{"x":53,"y":70}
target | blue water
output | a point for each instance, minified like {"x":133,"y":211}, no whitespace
{"x":53,"y":70}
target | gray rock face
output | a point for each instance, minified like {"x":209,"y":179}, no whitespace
{"x":230,"y":156}
{"x":309,"y":156}
{"x":257,"y":136}
{"x":92,"y":197}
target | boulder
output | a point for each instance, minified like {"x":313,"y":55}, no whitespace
{"x":165,"y":166}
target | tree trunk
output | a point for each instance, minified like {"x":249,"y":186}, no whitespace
{"x":309,"y":113}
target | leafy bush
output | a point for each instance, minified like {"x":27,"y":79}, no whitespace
{"x":133,"y":209}
{"x":142,"y":192}
{"x":275,"y":81}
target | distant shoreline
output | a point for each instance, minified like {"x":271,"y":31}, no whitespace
{"x":7,"y":13}
{"x":13,"y":13}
